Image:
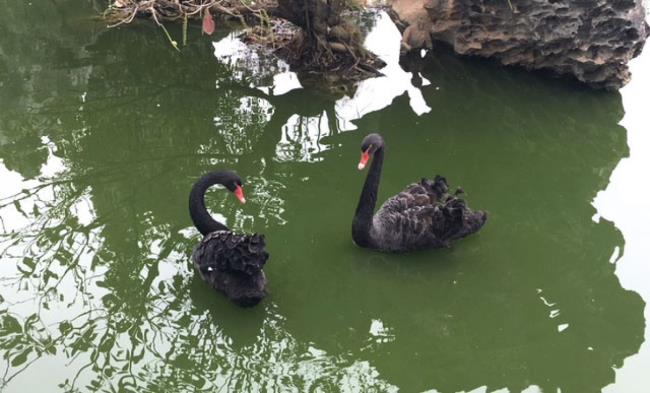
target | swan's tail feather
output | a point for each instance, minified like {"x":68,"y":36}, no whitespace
{"x":453,"y":218}
{"x":437,"y":187}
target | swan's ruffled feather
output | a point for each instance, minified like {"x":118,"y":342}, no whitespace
{"x":424,"y":215}
{"x":232,"y":263}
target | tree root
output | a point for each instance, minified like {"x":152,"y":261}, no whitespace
{"x":125,"y":11}
{"x":324,"y":41}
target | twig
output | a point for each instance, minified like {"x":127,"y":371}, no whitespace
{"x":169,"y":37}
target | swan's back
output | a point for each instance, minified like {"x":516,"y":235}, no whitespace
{"x":424,"y":215}
{"x":233,"y":263}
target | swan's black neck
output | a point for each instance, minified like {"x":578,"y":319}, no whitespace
{"x":201,"y":218}
{"x":367,"y":202}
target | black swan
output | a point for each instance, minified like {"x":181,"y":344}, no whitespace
{"x":424,"y":215}
{"x":229,"y":262}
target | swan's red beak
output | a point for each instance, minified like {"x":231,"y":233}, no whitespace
{"x":239,"y":193}
{"x":365,"y":156}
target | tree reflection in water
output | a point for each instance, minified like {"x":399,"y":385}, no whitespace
{"x":98,"y":276}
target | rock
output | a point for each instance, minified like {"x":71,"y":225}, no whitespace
{"x":590,"y":40}
{"x":417,"y":36}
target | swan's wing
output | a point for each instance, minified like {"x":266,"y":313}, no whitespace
{"x":231,"y":252}
{"x":232,"y":263}
{"x":424,"y":215}
{"x":404,"y":223}
{"x":425,"y":193}
{"x":413,"y":196}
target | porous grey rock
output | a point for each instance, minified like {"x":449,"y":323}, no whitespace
{"x":593,"y":40}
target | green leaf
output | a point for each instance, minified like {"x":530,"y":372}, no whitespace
{"x":29,"y":262}
{"x":27,"y":266}
{"x":106,"y":343}
{"x":32,"y":319}
{"x":64,"y":256}
{"x":49,"y":274}
{"x":11,"y":324}
{"x":21,"y":358}
{"x":51,"y":349}
{"x":65,"y":327}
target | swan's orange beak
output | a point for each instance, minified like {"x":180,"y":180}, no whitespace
{"x":365,"y":156}
{"x":239,"y":193}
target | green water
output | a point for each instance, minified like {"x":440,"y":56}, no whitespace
{"x":102,"y":133}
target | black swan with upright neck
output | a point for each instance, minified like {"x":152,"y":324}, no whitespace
{"x":424,"y":215}
{"x":228,"y":261}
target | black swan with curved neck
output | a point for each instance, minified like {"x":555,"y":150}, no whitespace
{"x":424,"y":215}
{"x":228,"y":261}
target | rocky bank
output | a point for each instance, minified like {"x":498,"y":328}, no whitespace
{"x":591,"y":40}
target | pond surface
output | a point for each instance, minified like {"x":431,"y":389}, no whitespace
{"x":103,"y":132}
